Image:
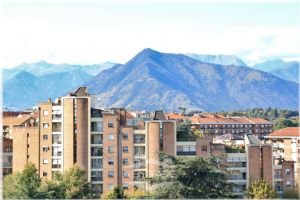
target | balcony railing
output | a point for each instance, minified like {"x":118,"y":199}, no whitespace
{"x":186,"y":153}
{"x":56,"y":166}
{"x":97,"y":178}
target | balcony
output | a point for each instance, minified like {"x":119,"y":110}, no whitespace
{"x":56,"y":166}
{"x":7,"y":165}
{"x":139,"y":139}
{"x":96,"y":126}
{"x":96,"y":113}
{"x":56,"y":116}
{"x":96,"y":139}
{"x":56,"y":127}
{"x":96,"y":151}
{"x":96,"y":178}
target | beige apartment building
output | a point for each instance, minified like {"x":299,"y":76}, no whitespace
{"x":286,"y":146}
{"x":120,"y":148}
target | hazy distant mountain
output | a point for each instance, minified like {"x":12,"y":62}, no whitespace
{"x":218,"y":59}
{"x":26,"y":90}
{"x":280,"y":68}
{"x":43,"y":68}
{"x":153,"y":80}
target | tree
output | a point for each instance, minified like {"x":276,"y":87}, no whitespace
{"x":75,"y":183}
{"x":10,"y":183}
{"x":191,"y":177}
{"x":137,"y":194}
{"x":116,"y":193}
{"x":260,"y":189}
{"x":292,"y":194}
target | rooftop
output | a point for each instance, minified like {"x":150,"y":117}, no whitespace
{"x":286,"y":132}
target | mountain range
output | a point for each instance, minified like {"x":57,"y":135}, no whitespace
{"x":155,"y":80}
{"x":280,"y":68}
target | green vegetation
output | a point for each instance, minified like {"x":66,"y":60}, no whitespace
{"x":28,"y":185}
{"x":192,"y":177}
{"x":184,"y":132}
{"x":116,"y":193}
{"x":292,"y":194}
{"x":260,"y":189}
{"x":283,"y":123}
{"x":268,"y":114}
{"x":235,"y":149}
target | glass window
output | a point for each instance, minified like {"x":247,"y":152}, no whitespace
{"x":110,"y":124}
{"x":96,"y":176}
{"x":57,"y":151}
{"x":45,"y":173}
{"x":45,"y":149}
{"x":56,"y":127}
{"x":111,"y":137}
{"x":56,"y":163}
{"x":110,"y":186}
{"x":96,"y":151}
{"x":96,"y":139}
{"x":97,"y":126}
{"x":97,"y":163}
{"x":110,"y":161}
{"x":287,"y":171}
{"x":125,"y":136}
{"x":125,"y":174}
{"x":45,"y":137}
{"x":125,"y":149}
{"x":139,"y":151}
{"x":56,"y":139}
{"x":288,"y":183}
{"x":45,"y":125}
{"x":111,"y":149}
{"x":125,"y":186}
{"x":110,"y":173}
{"x":45,"y":161}
{"x":45,"y":112}
{"x":125,"y":161}
{"x":204,"y":148}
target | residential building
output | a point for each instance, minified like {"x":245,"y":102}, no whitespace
{"x":286,"y":146}
{"x":7,"y":156}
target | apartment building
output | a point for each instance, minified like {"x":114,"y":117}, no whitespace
{"x":286,"y":146}
{"x":120,"y":148}
{"x":7,"y":149}
{"x":237,"y":127}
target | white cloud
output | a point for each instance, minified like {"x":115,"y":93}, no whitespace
{"x":32,"y":40}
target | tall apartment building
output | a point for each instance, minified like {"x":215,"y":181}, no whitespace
{"x":119,"y":148}
{"x":7,"y":149}
{"x":286,"y":146}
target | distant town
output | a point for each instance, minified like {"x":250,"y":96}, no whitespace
{"x":119,"y":148}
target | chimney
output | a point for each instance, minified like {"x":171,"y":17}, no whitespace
{"x":49,"y":100}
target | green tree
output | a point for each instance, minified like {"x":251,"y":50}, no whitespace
{"x":260,"y":189}
{"x":10,"y":183}
{"x":75,"y":183}
{"x":191,"y":177}
{"x":116,"y":193}
{"x":292,"y":194}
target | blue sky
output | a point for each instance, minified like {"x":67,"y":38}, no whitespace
{"x":87,"y":32}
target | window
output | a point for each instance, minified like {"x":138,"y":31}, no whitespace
{"x":56,"y":163}
{"x":125,"y":161}
{"x":139,"y":151}
{"x":125,"y":174}
{"x":8,"y":149}
{"x":97,"y":126}
{"x":57,"y":151}
{"x":45,"y":173}
{"x":110,"y":161}
{"x":125,"y":149}
{"x":96,"y":139}
{"x":96,"y":151}
{"x":45,"y":161}
{"x":45,"y":137}
{"x":111,"y":149}
{"x":45,"y":125}
{"x":125,"y":186}
{"x":56,"y":127}
{"x":288,"y":184}
{"x":139,"y":163}
{"x":111,"y":137}
{"x":45,"y":112}
{"x":139,"y":175}
{"x":287,"y":171}
{"x":56,"y":139}
{"x":96,"y":176}
{"x":204,"y":148}
{"x":125,"y":136}
{"x":110,"y":173}
{"x":45,"y":149}
{"x":110,"y":186}
{"x":139,"y":139}
{"x":97,"y":163}
{"x":110,"y":124}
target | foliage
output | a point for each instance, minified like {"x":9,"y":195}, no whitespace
{"x":292,"y":194}
{"x":269,"y":113}
{"x":10,"y":183}
{"x":28,"y":185}
{"x":283,"y":123}
{"x":116,"y":193}
{"x":191,"y":177}
{"x":260,"y":189}
{"x":137,"y":194}
{"x":235,"y":149}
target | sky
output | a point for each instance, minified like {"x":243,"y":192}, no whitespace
{"x":89,"y":32}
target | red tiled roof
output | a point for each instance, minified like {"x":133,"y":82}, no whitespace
{"x":175,"y":116}
{"x":15,"y":120}
{"x":289,"y":131}
{"x":129,"y":116}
